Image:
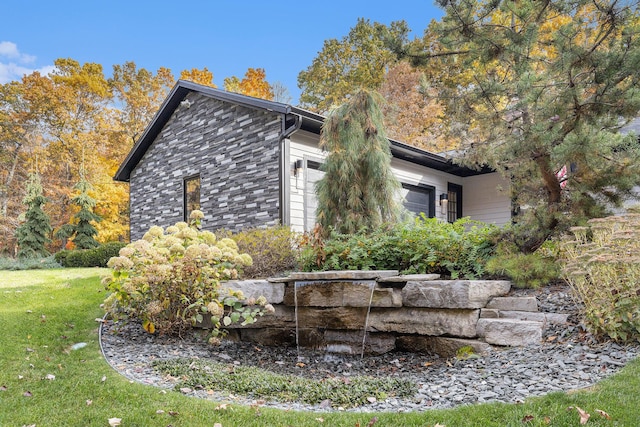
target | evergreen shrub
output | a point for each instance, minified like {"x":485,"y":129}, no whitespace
{"x":526,"y":270}
{"x":96,"y":257}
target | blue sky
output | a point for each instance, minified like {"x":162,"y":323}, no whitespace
{"x":225,"y":36}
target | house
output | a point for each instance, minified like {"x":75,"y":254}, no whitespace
{"x":248,"y":162}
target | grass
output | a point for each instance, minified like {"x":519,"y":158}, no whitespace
{"x":43,"y":313}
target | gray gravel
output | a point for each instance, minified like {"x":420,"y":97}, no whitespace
{"x":567,"y":359}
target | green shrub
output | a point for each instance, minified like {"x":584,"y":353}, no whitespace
{"x":273,"y":250}
{"x":532,"y":270}
{"x":425,"y":245}
{"x":28,"y":263}
{"x":170,"y":280}
{"x":603,"y":268}
{"x":96,"y":257}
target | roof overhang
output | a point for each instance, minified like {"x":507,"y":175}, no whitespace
{"x":310,"y":122}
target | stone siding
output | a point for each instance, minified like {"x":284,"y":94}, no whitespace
{"x":234,"y":149}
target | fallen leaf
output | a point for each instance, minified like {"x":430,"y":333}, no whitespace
{"x":50,"y":377}
{"x":89,"y":402}
{"x":528,"y":418}
{"x":113,"y":422}
{"x":104,"y":378}
{"x":439,"y":425}
{"x":547,"y":420}
{"x":185,"y":390}
{"x":221,"y":407}
{"x":3,"y":388}
{"x":300,"y":365}
{"x":584,"y":416}
{"x":30,"y":350}
{"x":552,"y":338}
{"x":27,"y":394}
{"x":43,"y":318}
{"x":603,"y":414}
{"x":100,"y":320}
{"x":20,"y":377}
{"x":217,"y":425}
{"x":320,"y":420}
{"x":29,"y":311}
{"x":372,"y":421}
{"x":427,"y":364}
{"x":159,"y":411}
{"x":371,"y":399}
{"x":174,"y":413}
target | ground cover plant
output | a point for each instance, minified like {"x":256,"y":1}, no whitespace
{"x":424,"y":245}
{"x":44,"y":313}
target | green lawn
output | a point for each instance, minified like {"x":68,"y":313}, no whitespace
{"x":43,"y":313}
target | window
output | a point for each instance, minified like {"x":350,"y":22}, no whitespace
{"x":191,"y":195}
{"x":419,"y":198}
{"x":454,"y":207}
{"x":313,"y":174}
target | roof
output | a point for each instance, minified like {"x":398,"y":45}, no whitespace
{"x":310,"y":121}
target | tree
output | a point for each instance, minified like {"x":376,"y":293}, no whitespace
{"x":203,"y":77}
{"x":412,"y":111}
{"x":81,"y":230}
{"x":33,"y":234}
{"x":253,"y":83}
{"x":544,"y":87}
{"x":343,"y":67}
{"x":358,"y":190}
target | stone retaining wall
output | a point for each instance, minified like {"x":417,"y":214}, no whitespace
{"x":419,"y":313}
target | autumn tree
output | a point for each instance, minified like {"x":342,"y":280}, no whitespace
{"x":545,"y":87}
{"x":81,"y":230}
{"x":33,"y":234}
{"x":203,"y":77}
{"x":253,"y":83}
{"x":358,"y":190}
{"x":412,"y":111}
{"x":343,"y":67}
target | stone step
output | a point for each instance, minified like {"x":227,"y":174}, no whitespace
{"x":509,"y":332}
{"x":514,"y":303}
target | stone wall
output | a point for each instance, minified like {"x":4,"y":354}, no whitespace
{"x":234,"y":149}
{"x":409,"y":313}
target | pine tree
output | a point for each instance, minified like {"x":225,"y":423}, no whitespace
{"x":358,"y":190}
{"x":81,"y":230}
{"x":33,"y":234}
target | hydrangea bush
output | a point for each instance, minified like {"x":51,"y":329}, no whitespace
{"x":170,"y":280}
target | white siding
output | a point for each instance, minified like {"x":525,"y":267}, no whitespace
{"x":486,"y":198}
{"x":481,"y":198}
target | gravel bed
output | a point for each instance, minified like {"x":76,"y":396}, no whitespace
{"x":567,"y":359}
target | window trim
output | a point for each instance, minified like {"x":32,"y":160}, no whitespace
{"x":432,"y":195}
{"x":457,"y":189}
{"x":185,"y":204}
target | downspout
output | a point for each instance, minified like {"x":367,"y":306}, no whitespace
{"x":285,"y":168}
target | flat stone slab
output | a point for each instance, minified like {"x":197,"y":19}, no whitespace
{"x":514,"y":303}
{"x":424,"y":321}
{"x":343,"y":274}
{"x":273,"y":292}
{"x":341,"y":293}
{"x":453,"y":293}
{"x":550,"y":318}
{"x":510,"y":332}
{"x":409,"y":278}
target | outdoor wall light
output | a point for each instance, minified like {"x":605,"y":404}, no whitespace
{"x":444,"y":201}
{"x":297,"y":167}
